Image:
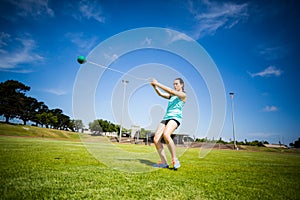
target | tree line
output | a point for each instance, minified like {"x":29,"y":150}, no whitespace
{"x":220,"y":141}
{"x":100,"y":125}
{"x":14,"y":103}
{"x":295,"y":144}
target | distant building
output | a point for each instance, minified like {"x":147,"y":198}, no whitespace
{"x":276,"y":146}
{"x":178,"y":138}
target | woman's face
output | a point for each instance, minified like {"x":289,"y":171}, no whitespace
{"x":177,"y":85}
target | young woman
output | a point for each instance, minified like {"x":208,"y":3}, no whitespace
{"x":171,"y":120}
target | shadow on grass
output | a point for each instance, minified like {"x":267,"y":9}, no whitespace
{"x":143,"y":161}
{"x":146,"y":162}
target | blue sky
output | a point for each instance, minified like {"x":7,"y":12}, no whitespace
{"x":254,"y":44}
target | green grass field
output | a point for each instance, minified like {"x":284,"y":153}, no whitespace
{"x":33,"y":166}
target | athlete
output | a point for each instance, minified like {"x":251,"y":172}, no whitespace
{"x":171,"y":120}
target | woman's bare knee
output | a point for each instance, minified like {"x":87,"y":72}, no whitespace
{"x":167,"y":138}
{"x":158,"y":134}
{"x":156,"y":140}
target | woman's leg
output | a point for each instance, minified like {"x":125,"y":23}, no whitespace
{"x":168,"y":130}
{"x":157,"y":141}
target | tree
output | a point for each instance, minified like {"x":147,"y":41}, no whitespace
{"x":95,"y":126}
{"x":296,"y":144}
{"x":256,"y":143}
{"x":103,"y":126}
{"x":39,"y":118}
{"x":220,"y":141}
{"x":46,"y":118}
{"x":144,"y":132}
{"x":59,"y":118}
{"x":29,"y":109}
{"x":77,"y":124}
{"x":64,"y":122}
{"x":266,"y":142}
{"x":15,"y":104}
{"x":12,"y":96}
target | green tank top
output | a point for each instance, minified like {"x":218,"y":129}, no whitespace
{"x":174,"y":110}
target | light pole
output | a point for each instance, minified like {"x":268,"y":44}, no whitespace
{"x":124,"y":83}
{"x":234,"y":142}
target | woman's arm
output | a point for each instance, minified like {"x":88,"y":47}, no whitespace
{"x":169,"y":91}
{"x":164,"y":95}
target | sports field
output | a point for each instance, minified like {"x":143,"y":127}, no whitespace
{"x":56,"y":165}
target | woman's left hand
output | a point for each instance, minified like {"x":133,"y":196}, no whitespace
{"x":154,"y":82}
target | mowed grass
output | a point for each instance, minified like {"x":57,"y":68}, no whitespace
{"x":39,"y":168}
{"x":32,"y":131}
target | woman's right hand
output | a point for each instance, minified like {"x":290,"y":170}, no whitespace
{"x":154,"y":82}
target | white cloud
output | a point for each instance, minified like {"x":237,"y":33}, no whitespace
{"x":12,"y":59}
{"x":83,"y":42}
{"x":211,"y":16}
{"x":4,"y":38}
{"x":89,"y":10}
{"x":269,"y":71}
{"x":147,"y":41}
{"x":57,"y":92}
{"x":34,"y":8}
{"x":110,"y":57}
{"x":177,"y":36}
{"x":17,"y":70}
{"x":270,"y":109}
{"x":271,"y":53}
